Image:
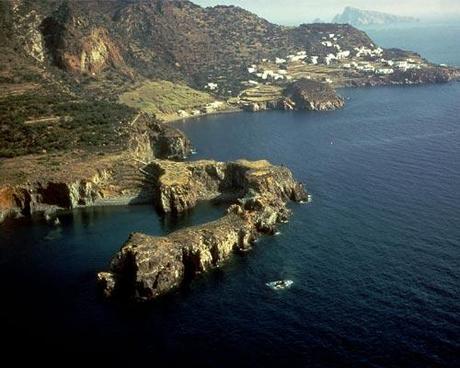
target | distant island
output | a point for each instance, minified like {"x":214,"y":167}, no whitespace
{"x":358,"y":17}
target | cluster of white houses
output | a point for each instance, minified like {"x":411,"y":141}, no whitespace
{"x":389,"y":66}
{"x":265,"y":74}
{"x":377,"y":65}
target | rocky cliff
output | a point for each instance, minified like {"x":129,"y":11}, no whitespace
{"x":303,"y":94}
{"x":28,"y":186}
{"x":147,"y":266}
{"x":311,"y":95}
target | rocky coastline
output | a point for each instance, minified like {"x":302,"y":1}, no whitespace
{"x":147,"y":267}
{"x":150,"y":169}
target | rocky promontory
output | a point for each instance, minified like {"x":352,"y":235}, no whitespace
{"x":311,"y":95}
{"x":303,"y":94}
{"x":148,"y":266}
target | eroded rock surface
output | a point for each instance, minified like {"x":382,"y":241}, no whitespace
{"x":147,"y":266}
{"x":312,"y":95}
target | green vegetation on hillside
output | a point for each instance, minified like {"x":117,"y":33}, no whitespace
{"x":164,"y":98}
{"x":37,"y":122}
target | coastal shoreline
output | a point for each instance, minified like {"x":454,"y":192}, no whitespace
{"x":229,"y":110}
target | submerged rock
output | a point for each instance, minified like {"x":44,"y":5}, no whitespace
{"x":148,"y":266}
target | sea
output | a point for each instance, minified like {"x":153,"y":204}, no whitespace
{"x":374,"y":257}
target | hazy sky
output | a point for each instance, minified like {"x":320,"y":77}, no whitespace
{"x":297,"y":11}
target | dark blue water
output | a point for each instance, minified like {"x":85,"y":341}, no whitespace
{"x":375,"y":257}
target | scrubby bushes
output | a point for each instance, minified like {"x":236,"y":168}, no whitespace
{"x":34,"y":122}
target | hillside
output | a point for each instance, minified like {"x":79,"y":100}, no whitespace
{"x":78,"y":69}
{"x":358,"y":17}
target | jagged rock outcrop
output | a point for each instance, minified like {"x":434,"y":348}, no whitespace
{"x":169,"y":143}
{"x":45,"y":197}
{"x":306,"y":94}
{"x":13,"y":202}
{"x":149,"y":140}
{"x":147,"y":266}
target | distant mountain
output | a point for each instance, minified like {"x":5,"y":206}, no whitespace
{"x":358,"y":17}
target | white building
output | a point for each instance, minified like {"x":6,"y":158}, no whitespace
{"x":314,"y":60}
{"x":329,"y":58}
{"x":402,"y":64}
{"x":211,"y":86}
{"x":343,"y":54}
{"x":385,"y":71}
{"x":364,"y":51}
{"x":327,"y":43}
{"x":280,"y":60}
{"x":294,"y":58}
{"x":182,"y":113}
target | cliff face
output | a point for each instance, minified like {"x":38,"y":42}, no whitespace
{"x":78,"y":45}
{"x":303,"y":94}
{"x":13,"y":202}
{"x":45,"y":197}
{"x":147,"y":267}
{"x":313,"y":96}
{"x":84,"y":180}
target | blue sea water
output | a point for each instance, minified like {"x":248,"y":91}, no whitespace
{"x":437,"y":42}
{"x":375,"y":258}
